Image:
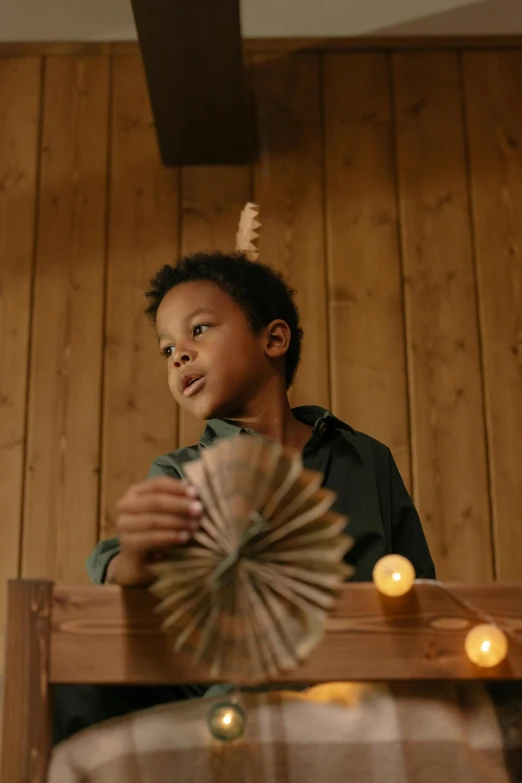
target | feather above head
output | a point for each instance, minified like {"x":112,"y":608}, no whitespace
{"x":248,"y":231}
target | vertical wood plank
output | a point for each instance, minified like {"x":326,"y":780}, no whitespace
{"x":19,"y":119}
{"x":212,"y":200}
{"x":289,"y":190}
{"x":448,"y":433}
{"x":367,"y":341}
{"x":26,"y":725}
{"x":139,"y":415}
{"x":494,"y":109}
{"x":61,"y":499}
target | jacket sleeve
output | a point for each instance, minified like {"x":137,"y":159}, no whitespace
{"x":99,"y":559}
{"x":408,"y":537}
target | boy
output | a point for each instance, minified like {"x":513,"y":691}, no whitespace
{"x":229,"y":332}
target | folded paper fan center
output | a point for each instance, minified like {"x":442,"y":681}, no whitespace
{"x":258,"y":525}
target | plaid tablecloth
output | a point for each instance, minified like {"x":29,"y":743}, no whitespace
{"x":401,"y":733}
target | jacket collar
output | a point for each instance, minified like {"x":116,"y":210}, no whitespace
{"x":321,"y":419}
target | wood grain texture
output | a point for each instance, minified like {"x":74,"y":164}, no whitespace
{"x":26,"y":724}
{"x":448,"y":437}
{"x":493,"y":83}
{"x":19,"y":113}
{"x":61,"y":493}
{"x":139,"y":415}
{"x":212,"y":200}
{"x":289,"y":189}
{"x":139,"y":418}
{"x":106,"y":634}
{"x":367,"y":339}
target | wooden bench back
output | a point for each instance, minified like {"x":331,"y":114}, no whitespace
{"x":82,"y":634}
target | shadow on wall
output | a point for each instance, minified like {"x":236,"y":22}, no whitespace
{"x":487,"y":17}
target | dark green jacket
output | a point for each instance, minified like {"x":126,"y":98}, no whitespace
{"x":360,"y":470}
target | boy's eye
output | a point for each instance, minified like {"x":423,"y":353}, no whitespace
{"x":199,"y":329}
{"x":167,"y":351}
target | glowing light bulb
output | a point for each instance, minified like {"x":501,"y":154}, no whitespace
{"x":226,"y":721}
{"x":393,"y":575}
{"x":486,"y":645}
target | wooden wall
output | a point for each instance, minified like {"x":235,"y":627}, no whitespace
{"x":390,"y":185}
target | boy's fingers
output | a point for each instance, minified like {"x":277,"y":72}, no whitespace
{"x":164,"y":484}
{"x":141,"y":542}
{"x":141,"y":523}
{"x":161,"y":503}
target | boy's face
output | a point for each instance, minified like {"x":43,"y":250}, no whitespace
{"x":216,"y":364}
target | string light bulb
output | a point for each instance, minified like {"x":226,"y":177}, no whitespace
{"x":486,"y":645}
{"x":226,"y":721}
{"x":393,"y":575}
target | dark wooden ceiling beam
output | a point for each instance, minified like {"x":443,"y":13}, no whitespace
{"x":193,"y":56}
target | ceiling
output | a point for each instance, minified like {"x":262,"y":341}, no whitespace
{"x":111,"y":20}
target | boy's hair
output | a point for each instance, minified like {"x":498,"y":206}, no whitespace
{"x":260,"y":291}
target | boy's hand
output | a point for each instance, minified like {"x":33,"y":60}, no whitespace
{"x":151,"y":516}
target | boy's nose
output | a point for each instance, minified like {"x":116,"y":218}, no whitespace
{"x":183,"y":357}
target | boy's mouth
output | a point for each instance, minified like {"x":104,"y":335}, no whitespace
{"x":190,"y":384}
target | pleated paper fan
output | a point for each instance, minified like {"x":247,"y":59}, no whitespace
{"x":248,"y":231}
{"x":250,"y":595}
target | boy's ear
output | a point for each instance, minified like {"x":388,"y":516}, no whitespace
{"x":278,"y":336}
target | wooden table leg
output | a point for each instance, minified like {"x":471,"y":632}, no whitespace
{"x":26,"y":732}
